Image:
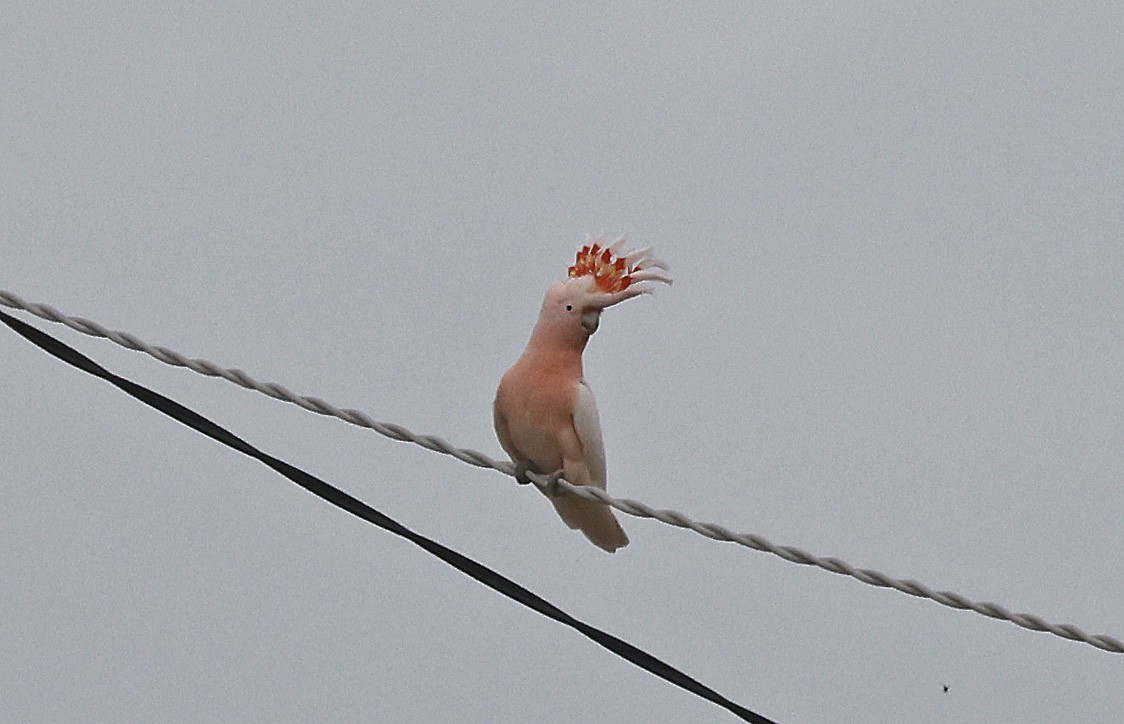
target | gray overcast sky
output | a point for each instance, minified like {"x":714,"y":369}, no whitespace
{"x":894,"y":337}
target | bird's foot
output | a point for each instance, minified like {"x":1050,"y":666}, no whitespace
{"x":521,"y":475}
{"x":553,"y":489}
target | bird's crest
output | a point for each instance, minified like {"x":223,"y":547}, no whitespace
{"x":613,"y":271}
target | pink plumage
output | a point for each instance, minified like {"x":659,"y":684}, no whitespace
{"x":544,"y":413}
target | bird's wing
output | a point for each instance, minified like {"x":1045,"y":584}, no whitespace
{"x":588,"y":427}
{"x":594,"y":519}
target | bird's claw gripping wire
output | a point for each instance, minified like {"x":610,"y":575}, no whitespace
{"x":553,"y":489}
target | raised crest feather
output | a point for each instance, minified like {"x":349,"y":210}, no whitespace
{"x":614,"y":271}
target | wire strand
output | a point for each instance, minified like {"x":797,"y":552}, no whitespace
{"x":543,"y":482}
{"x":337,"y":497}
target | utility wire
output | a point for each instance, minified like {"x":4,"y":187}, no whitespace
{"x":358,"y":508}
{"x":636,"y":508}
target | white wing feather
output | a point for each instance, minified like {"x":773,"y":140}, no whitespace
{"x":595,"y":520}
{"x":588,"y":426}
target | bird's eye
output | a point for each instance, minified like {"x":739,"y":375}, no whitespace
{"x":569,"y":307}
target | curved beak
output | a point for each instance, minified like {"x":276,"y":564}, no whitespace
{"x":590,"y":320}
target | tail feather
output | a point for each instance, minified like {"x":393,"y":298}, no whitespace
{"x":595,"y":520}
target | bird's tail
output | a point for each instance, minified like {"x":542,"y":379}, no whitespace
{"x":595,"y":520}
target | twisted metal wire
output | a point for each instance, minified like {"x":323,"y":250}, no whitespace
{"x":552,"y":483}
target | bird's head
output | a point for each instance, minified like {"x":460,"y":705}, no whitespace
{"x":601,"y":276}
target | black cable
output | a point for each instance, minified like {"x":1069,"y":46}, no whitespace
{"x":358,"y":508}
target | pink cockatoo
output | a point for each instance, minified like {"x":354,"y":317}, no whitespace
{"x":544,"y":412}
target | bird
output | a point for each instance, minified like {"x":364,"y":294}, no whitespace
{"x":544,"y":413}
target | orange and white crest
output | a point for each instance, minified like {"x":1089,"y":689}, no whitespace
{"x":614,"y":271}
